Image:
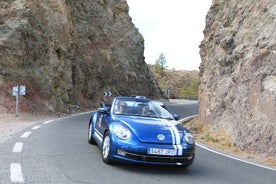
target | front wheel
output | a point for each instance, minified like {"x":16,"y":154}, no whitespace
{"x":106,"y":149}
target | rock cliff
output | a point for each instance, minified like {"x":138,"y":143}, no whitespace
{"x":69,"y":52}
{"x":238,"y":73}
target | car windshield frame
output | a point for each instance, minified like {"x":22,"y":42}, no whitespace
{"x":138,"y":106}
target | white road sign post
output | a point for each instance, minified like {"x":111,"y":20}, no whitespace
{"x":18,"y":91}
{"x":167,"y":92}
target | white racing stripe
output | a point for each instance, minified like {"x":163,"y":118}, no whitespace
{"x":16,"y":173}
{"x":17,"y":148}
{"x":175,"y":138}
{"x":98,"y":135}
{"x":179,"y":149}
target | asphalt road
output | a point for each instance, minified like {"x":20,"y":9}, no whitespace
{"x":57,"y":152}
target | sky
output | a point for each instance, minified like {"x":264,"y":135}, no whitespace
{"x":172,"y":27}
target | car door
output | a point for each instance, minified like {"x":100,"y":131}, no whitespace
{"x":102,"y":120}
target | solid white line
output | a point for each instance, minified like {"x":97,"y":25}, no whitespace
{"x":187,"y":118}
{"x":16,"y":173}
{"x":36,"y":127}
{"x":238,"y":159}
{"x":17,"y":148}
{"x":26,"y":134}
{"x":204,"y":147}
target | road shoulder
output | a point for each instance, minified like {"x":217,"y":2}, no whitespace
{"x":10,"y":124}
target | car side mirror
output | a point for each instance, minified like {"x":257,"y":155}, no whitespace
{"x":176,"y":116}
{"x":103,"y":110}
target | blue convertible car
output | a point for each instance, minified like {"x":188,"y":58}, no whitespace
{"x":140,"y":130}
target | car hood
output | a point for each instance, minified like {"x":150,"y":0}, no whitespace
{"x":154,"y":130}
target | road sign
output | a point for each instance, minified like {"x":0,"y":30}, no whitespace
{"x":107,"y":94}
{"x":167,"y":91}
{"x":14,"y":90}
{"x":18,"y":91}
{"x":22,"y":90}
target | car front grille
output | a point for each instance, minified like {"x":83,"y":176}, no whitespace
{"x":158,"y":158}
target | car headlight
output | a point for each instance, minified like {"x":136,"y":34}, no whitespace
{"x":121,"y":132}
{"x":189,"y":138}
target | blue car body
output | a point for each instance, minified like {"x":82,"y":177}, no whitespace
{"x":157,"y":138}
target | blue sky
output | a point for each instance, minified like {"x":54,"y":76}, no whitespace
{"x":172,"y":27}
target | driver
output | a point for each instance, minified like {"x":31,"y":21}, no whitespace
{"x":122,"y":108}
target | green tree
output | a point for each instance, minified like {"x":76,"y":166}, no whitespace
{"x":162,"y":62}
{"x":157,"y":67}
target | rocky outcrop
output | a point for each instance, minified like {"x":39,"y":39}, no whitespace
{"x":238,"y":73}
{"x":69,"y":52}
{"x":181,"y":83}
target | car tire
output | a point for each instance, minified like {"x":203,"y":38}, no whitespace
{"x":106,"y":149}
{"x":91,"y":140}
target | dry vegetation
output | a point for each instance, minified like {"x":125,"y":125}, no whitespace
{"x":221,"y":141}
{"x":174,"y":80}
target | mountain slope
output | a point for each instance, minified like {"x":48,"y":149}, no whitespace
{"x":68,"y":53}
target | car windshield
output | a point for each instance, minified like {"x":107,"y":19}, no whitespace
{"x":145,"y":108}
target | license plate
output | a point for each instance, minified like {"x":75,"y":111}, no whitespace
{"x":160,"y":151}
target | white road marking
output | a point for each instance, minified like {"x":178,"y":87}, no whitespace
{"x":26,"y":134}
{"x":16,"y":173}
{"x":17,"y":148}
{"x":46,"y":122}
{"x":209,"y":149}
{"x":204,"y":147}
{"x":36,"y":127}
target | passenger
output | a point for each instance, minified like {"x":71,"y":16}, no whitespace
{"x":145,"y":111}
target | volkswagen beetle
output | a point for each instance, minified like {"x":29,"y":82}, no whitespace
{"x":140,"y":130}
